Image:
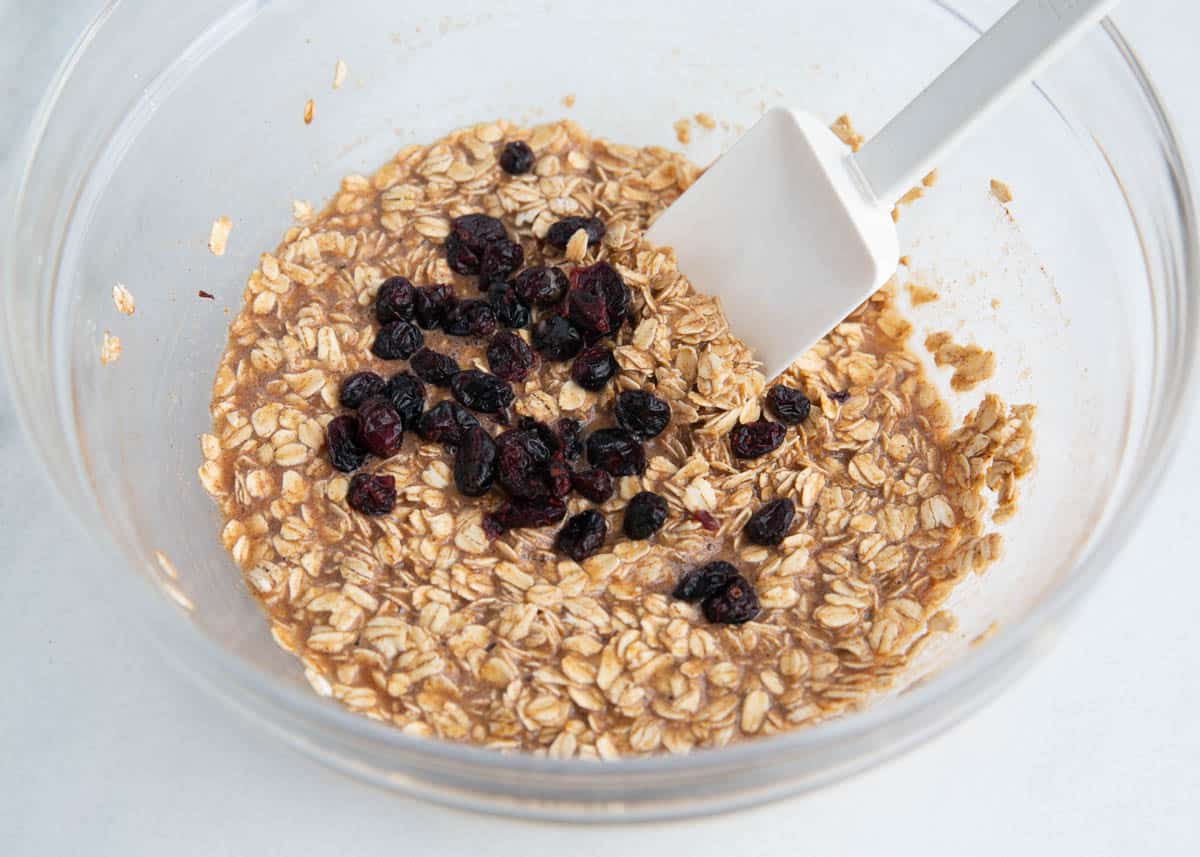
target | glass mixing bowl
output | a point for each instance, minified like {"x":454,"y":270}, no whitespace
{"x":166,"y":116}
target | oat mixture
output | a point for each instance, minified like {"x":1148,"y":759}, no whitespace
{"x":419,"y":619}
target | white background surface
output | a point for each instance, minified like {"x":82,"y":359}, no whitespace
{"x":105,"y":750}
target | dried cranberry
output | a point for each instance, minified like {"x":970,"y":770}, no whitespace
{"x":788,"y":404}
{"x":468,"y":239}
{"x":397,"y":340}
{"x":642,"y":414}
{"x":586,"y":308}
{"x":382,"y":428}
{"x":433,"y":367}
{"x":430,"y":304}
{"x":372,"y":493}
{"x":470,"y":318}
{"x":556,"y":338}
{"x":596,"y":484}
{"x":645,"y":515}
{"x":475,"y":463}
{"x":407,"y":396}
{"x":522,"y":462}
{"x":699,"y":583}
{"x":516,"y":158}
{"x":568,"y":438}
{"x":604,"y":279}
{"x":541,"y":285}
{"x":394,"y":300}
{"x":770,"y":524}
{"x":509,"y":357}
{"x":343,"y":436}
{"x":446,"y":423}
{"x":521,"y":512}
{"x":481,"y":391}
{"x":733,"y":604}
{"x":582,"y":535}
{"x":500,"y":259}
{"x":510,"y":310}
{"x":616,"y":451}
{"x":359,"y":387}
{"x":594,"y":367}
{"x":560,"y":233}
{"x":706,"y":520}
{"x":751,"y":440}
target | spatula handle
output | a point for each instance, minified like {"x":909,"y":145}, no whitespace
{"x":1002,"y":60}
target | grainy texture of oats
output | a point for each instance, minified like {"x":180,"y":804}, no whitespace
{"x":123,"y":299}
{"x":683,"y":130}
{"x":919,"y":295}
{"x":972,"y":364}
{"x":110,"y":349}
{"x":218,"y":235}
{"x":1001,"y":191}
{"x":414,"y":618}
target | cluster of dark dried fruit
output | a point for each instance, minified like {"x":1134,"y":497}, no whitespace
{"x":535,"y":465}
{"x":724,"y":595}
{"x":752,"y":440}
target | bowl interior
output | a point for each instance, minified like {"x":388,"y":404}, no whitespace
{"x":1054,"y":283}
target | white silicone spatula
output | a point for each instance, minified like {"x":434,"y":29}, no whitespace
{"x":791,"y":232}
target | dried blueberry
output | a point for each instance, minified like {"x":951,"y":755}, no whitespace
{"x":344,"y":439}
{"x":770,"y":524}
{"x":699,"y":583}
{"x":394,"y":300}
{"x":430,"y":304}
{"x":558,"y":474}
{"x":469,"y":237}
{"x":560,"y":233}
{"x":433,"y":367}
{"x":470,"y":318}
{"x":372,"y":493}
{"x":382,"y":428}
{"x":788,"y":404}
{"x":407,"y":396}
{"x":520,"y":512}
{"x":509,"y":357}
{"x":604,"y":279}
{"x":446,"y":423}
{"x":595,"y":484}
{"x":644,"y":515}
{"x":751,"y":440}
{"x":642,"y":414}
{"x":397,"y":340}
{"x":510,"y":310}
{"x":359,"y":387}
{"x":582,"y":535}
{"x":522,"y":458}
{"x":594,"y":367}
{"x":541,"y":285}
{"x":556,"y":338}
{"x":733,"y":604}
{"x":500,"y":259}
{"x":475,"y":463}
{"x":568,"y":438}
{"x":516,"y":158}
{"x":616,"y":451}
{"x":547,"y":435}
{"x":481,"y":391}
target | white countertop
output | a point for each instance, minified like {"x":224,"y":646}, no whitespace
{"x":104,"y":749}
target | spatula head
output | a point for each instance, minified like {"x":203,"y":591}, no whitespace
{"x":785,"y":233}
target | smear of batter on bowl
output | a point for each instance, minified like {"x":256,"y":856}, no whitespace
{"x":972,"y":365}
{"x":123,"y":299}
{"x":498,"y":473}
{"x":919,"y":295}
{"x":218,"y":235}
{"x":1001,"y":191}
{"x":110,"y":349}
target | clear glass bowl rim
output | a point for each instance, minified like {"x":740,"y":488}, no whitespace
{"x":186,"y":646}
